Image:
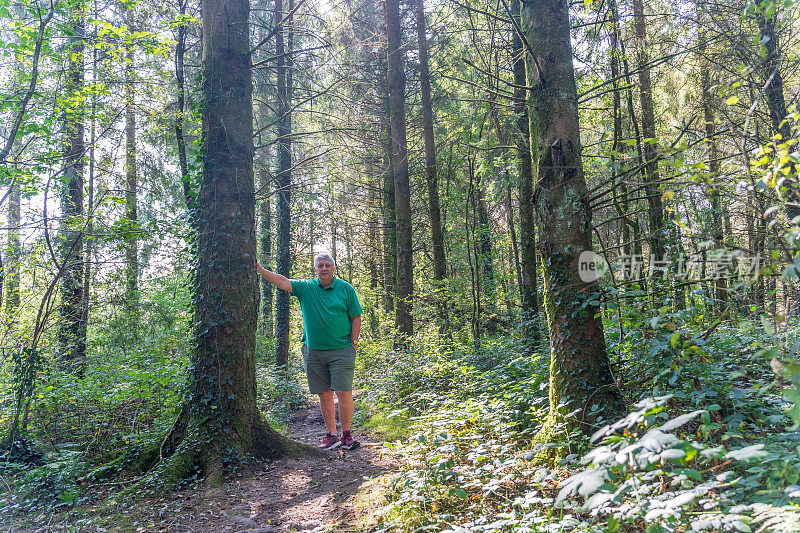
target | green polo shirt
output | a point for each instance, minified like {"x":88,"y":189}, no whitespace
{"x":326,"y":312}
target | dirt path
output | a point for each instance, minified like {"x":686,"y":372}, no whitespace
{"x":289,"y":495}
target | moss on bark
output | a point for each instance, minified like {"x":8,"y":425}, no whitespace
{"x":582,"y":389}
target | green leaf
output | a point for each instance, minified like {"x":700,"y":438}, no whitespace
{"x":741,"y":526}
{"x":458,"y":492}
{"x":748,"y":453}
{"x":733,"y":100}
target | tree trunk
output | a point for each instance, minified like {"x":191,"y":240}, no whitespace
{"x":220,"y":424}
{"x":374,"y":240}
{"x":389,"y":240}
{"x":89,"y":247}
{"x":473,"y":254}
{"x":486,"y":261}
{"x":265,"y":212}
{"x":348,"y":249}
{"x":265,"y":233}
{"x":773,"y":92}
{"x":776,"y":103}
{"x":131,"y":242}
{"x":334,"y":235}
{"x":396,"y":82}
{"x":655,"y":207}
{"x":13,"y":255}
{"x":72,"y":330}
{"x":431,"y":177}
{"x":529,"y":293}
{"x":712,"y":161}
{"x":621,"y":203}
{"x":284,"y":88}
{"x":180,"y":51}
{"x":515,"y":272}
{"x":580,"y":374}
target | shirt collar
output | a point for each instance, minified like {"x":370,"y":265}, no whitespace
{"x":333,"y":283}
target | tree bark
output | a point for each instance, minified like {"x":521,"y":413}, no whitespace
{"x":265,"y":211}
{"x":283,"y":49}
{"x":374,"y":240}
{"x":389,"y":235}
{"x":13,"y":255}
{"x":527,"y":217}
{"x":515,"y":271}
{"x":776,"y":103}
{"x":431,"y":174}
{"x":131,"y":189}
{"x":220,"y":424}
{"x":623,"y":204}
{"x":72,"y":330}
{"x":655,"y":207}
{"x":189,"y":195}
{"x":712,"y":159}
{"x":486,"y":259}
{"x":265,"y":233}
{"x":89,"y":248}
{"x":580,"y":374}
{"x":396,"y":82}
{"x":770,"y":71}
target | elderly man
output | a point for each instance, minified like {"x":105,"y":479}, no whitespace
{"x":331,"y":325}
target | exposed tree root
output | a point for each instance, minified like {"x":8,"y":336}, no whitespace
{"x":552,"y":442}
{"x":191,"y":451}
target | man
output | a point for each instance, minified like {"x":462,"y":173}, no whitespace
{"x":331,"y":326}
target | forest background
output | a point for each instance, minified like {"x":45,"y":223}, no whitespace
{"x":550,"y":210}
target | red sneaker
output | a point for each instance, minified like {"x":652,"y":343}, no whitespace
{"x":330,"y":442}
{"x":348,"y":442}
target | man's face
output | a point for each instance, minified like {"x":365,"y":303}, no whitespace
{"x":324,"y":269}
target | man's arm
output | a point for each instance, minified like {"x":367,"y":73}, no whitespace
{"x":355,"y":330}
{"x":282,"y":282}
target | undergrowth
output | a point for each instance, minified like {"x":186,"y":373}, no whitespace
{"x":709,"y":444}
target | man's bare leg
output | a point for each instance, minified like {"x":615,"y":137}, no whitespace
{"x":345,"y":408}
{"x":329,"y":410}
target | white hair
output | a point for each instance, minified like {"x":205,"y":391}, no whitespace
{"x":324,"y":255}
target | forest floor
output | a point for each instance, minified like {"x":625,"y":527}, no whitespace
{"x":338,"y":491}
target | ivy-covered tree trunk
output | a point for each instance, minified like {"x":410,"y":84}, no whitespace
{"x":283,"y":48}
{"x":529,"y":293}
{"x":220,"y":423}
{"x":582,"y":390}
{"x":396,"y":81}
{"x":72,"y":330}
{"x":131,"y":189}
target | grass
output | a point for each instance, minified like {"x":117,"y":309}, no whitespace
{"x":391,"y":426}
